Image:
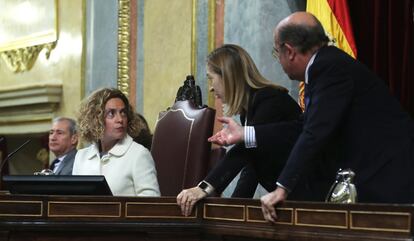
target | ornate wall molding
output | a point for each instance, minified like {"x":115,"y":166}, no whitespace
{"x":28,"y":109}
{"x":124,"y":28}
{"x":23,"y":59}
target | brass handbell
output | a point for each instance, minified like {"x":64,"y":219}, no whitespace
{"x":44,"y":172}
{"x":343,"y":190}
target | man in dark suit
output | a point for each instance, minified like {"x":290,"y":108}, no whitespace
{"x":63,"y":139}
{"x":346,"y":105}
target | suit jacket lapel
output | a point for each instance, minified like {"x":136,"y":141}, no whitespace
{"x":65,"y":162}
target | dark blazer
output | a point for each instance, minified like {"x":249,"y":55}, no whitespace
{"x":352,"y":115}
{"x":266,"y":105}
{"x":66,"y":166}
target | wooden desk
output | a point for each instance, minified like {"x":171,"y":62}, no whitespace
{"x":123,"y":218}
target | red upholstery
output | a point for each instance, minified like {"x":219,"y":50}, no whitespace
{"x":180,"y":147}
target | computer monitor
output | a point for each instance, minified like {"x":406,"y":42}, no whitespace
{"x":56,"y":185}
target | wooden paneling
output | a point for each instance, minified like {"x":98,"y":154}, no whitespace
{"x":84,"y":209}
{"x":16,"y":208}
{"x":128,"y":218}
{"x":225,"y":212}
{"x":155,"y":210}
{"x":381,"y":221}
{"x":322,"y":218}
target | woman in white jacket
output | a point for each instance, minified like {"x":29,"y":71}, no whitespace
{"x":107,"y":120}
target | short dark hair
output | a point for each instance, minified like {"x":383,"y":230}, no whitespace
{"x":303,"y":36}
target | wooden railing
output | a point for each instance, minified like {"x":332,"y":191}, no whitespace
{"x":126,"y":218}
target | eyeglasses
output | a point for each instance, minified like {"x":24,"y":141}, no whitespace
{"x":276,"y":52}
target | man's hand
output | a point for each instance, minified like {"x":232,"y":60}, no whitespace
{"x":269,"y":202}
{"x":187,"y":198}
{"x":232,"y":134}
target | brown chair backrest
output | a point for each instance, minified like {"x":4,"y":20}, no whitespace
{"x":180,"y":148}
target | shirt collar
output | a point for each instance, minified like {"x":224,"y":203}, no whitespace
{"x":308,"y":66}
{"x":120,"y":148}
{"x":61,"y":157}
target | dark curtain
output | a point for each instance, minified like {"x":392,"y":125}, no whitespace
{"x":4,"y":153}
{"x":384,"y":35}
{"x":44,"y":143}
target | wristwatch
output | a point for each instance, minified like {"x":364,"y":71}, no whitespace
{"x":206,"y":187}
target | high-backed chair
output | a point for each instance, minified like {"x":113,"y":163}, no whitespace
{"x":180,"y":148}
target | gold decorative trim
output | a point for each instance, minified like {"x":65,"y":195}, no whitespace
{"x":84,"y":215}
{"x":124,"y":27}
{"x":321,"y":211}
{"x":154,"y":216}
{"x":194,"y":38}
{"x":42,"y":155}
{"x":84,"y":52}
{"x":248,"y":219}
{"x":264,"y":221}
{"x":23,"y":215}
{"x":211,"y":41}
{"x":211,"y":25}
{"x":23,"y":59}
{"x":224,"y":205}
{"x":407,"y":230}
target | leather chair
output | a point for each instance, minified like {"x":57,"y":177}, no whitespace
{"x":180,"y":148}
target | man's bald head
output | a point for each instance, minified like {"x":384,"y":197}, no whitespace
{"x":301,"y":30}
{"x":299,"y":18}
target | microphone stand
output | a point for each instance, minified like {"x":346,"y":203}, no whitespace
{"x":4,"y":161}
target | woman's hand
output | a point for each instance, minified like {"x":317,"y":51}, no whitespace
{"x":232,"y":134}
{"x":187,"y":198}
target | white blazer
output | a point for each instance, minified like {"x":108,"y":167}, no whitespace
{"x":128,"y":168}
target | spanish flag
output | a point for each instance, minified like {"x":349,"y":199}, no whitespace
{"x":334,"y":16}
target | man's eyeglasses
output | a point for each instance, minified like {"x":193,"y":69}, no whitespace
{"x":276,"y":52}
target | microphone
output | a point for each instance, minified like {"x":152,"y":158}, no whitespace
{"x":11,"y":154}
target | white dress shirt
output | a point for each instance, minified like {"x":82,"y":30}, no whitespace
{"x":57,"y":164}
{"x":249,"y":131}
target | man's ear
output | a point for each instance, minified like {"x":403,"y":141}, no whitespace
{"x":74,"y":139}
{"x":290,"y":51}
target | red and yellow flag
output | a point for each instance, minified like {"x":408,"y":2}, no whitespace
{"x":335,"y":19}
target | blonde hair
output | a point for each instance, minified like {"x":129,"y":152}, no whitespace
{"x":91,"y":116}
{"x":239,"y":74}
